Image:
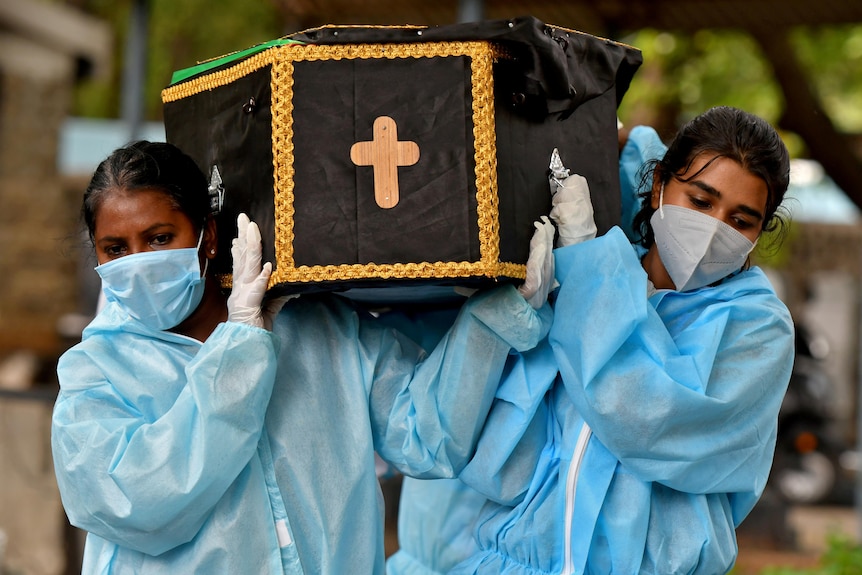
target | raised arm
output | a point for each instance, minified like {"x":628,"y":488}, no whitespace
{"x":151,"y":428}
{"x":426,"y":417}
{"x":146,"y":480}
{"x":690,"y":401}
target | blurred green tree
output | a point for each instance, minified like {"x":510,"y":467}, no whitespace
{"x":682,"y":75}
{"x":181,"y":34}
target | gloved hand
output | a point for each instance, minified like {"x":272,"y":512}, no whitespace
{"x":540,"y":265}
{"x":572,"y":210}
{"x":249,"y":277}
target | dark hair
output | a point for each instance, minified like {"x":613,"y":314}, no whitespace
{"x":149,"y":165}
{"x":727,"y":133}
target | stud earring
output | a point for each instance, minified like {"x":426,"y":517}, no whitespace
{"x":212,"y":251}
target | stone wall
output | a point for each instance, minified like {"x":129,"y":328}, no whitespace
{"x":37,"y":216}
{"x":821,"y":272}
{"x":39,"y":286}
{"x":812,"y":248}
{"x":31,"y":515}
{"x":818,"y":247}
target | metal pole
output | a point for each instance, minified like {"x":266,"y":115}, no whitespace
{"x":134,"y":69}
{"x":471,"y":10}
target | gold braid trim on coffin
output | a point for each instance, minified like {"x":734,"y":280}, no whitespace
{"x":482,"y":55}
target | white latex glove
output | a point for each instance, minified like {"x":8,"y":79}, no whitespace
{"x":540,"y":265}
{"x":249,"y":278}
{"x":572,"y":209}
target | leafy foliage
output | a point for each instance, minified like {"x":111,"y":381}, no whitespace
{"x":833,"y":58}
{"x":843,"y":557}
{"x":684,"y":75}
{"x":710,"y":68}
{"x":681,"y":76}
{"x":181,"y":34}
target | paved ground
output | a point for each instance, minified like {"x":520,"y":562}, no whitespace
{"x":811,"y":528}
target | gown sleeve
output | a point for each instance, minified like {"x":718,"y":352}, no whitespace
{"x":509,"y":446}
{"x":642,"y":146}
{"x":696,"y":410}
{"x":515,"y":432}
{"x":426,"y":416}
{"x":149,"y":484}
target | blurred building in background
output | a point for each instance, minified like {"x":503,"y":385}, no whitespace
{"x":44,"y":49}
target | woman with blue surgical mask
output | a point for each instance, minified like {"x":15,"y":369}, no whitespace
{"x":196,"y":432}
{"x":159,"y":285}
{"x":640,"y":433}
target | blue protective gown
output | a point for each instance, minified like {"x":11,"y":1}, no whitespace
{"x":253,"y":452}
{"x":659,"y":434}
{"x":642,"y":146}
{"x":615,"y":518}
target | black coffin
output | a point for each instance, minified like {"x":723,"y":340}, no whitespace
{"x":383,"y":157}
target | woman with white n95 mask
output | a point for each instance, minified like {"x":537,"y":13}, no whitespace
{"x":706,"y":218}
{"x":640,"y":434}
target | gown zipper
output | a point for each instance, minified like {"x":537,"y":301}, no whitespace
{"x":571,"y":485}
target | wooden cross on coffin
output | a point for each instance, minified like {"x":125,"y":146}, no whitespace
{"x":385,"y":154}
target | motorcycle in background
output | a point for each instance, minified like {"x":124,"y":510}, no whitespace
{"x":812,"y":463}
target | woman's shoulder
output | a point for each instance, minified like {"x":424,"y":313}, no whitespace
{"x":748,"y":296}
{"x":750,"y":283}
{"x":101,"y":344}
